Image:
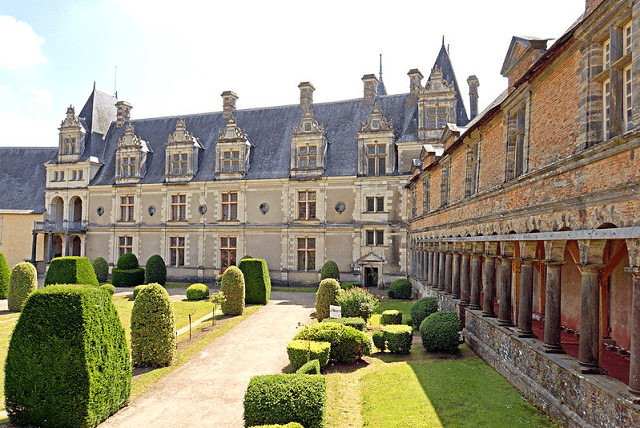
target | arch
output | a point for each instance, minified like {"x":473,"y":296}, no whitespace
{"x":56,"y":209}
{"x":76,"y":246}
{"x":75,"y":209}
{"x":56,"y":246}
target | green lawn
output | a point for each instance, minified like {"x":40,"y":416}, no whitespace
{"x":386,"y":304}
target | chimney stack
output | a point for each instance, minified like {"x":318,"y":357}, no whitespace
{"x":473,"y":96}
{"x":370,"y":88}
{"x":415,"y":83}
{"x":123,"y":113}
{"x":306,"y":95}
{"x":228,"y":103}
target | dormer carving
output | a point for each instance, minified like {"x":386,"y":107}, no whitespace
{"x":233,"y":151}
{"x":376,"y":145}
{"x":436,"y":107}
{"x":181,"y":154}
{"x":71,"y":140}
{"x":308,"y":148}
{"x":131,"y":157}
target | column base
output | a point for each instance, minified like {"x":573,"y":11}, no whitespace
{"x":505,"y":323}
{"x":553,"y":349}
{"x":591,"y":369}
{"x":636,"y":392}
{"x":474,"y":307}
{"x":526,"y":334}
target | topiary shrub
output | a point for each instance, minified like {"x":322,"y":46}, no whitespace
{"x":289,"y":425}
{"x":282,"y":398}
{"x":109,"y":288}
{"x":355,"y":322}
{"x":400,"y":289}
{"x":128,"y":261}
{"x":71,"y":270}
{"x":422,"y":309}
{"x":23,"y":282}
{"x":5,"y":274}
{"x":68,"y":363}
{"x":391,"y":316}
{"x":101,"y":268}
{"x":233,"y":289}
{"x":156,"y":270}
{"x":197,"y":292}
{"x":256,"y":280}
{"x":440,"y":332}
{"x":409,"y":322}
{"x":153,"y":328}
{"x":330,"y":270}
{"x":326,"y":296}
{"x":128,"y":273}
{"x":310,"y":367}
{"x":247,"y":256}
{"x":378,"y":341}
{"x":357,"y":302}
{"x":347,"y":344}
{"x":348,"y":285}
{"x":137,"y":290}
{"x":299,"y":350}
{"x":398,"y":338}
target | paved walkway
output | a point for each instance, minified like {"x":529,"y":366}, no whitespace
{"x":208,"y":391}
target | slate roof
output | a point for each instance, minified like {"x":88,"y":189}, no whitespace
{"x":269,"y":131}
{"x":23,"y":177}
{"x":444,"y":63}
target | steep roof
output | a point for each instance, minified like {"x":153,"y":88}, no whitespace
{"x":444,"y":63}
{"x":99,"y":111}
{"x":23,"y":177}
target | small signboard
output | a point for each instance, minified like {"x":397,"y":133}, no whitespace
{"x":335,"y":311}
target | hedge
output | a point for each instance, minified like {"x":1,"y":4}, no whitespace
{"x":285,"y":398}
{"x":156,"y":270}
{"x":391,"y":316}
{"x":289,"y":425}
{"x":23,"y":282}
{"x":398,"y":338}
{"x":347,"y":344}
{"x":101,"y":268}
{"x":326,"y":296}
{"x":378,"y":340}
{"x":137,"y":289}
{"x":197,"y":292}
{"x":5,"y":274}
{"x":310,"y":367}
{"x":128,"y":261}
{"x":330,"y":270}
{"x":233,"y":288}
{"x":68,"y":363}
{"x":109,"y":288}
{"x":440,"y":332}
{"x":355,"y":322}
{"x":257,"y":282}
{"x":71,"y":270}
{"x":401,"y":289}
{"x":348,"y":285}
{"x":422,"y":309}
{"x":127,"y":277}
{"x":298,"y":349}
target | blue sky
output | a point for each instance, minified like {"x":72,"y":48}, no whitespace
{"x":176,"y":58}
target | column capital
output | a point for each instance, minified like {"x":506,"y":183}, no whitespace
{"x":635,"y":271}
{"x":590,"y":267}
{"x":552,"y":263}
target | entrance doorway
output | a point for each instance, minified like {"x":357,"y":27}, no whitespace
{"x":370,"y":277}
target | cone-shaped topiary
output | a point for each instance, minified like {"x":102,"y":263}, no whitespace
{"x":5,"y":274}
{"x":23,"y":281}
{"x":326,"y":296}
{"x":153,"y":328}
{"x":440,"y":332}
{"x":68,"y":363}
{"x":233,"y":289}
{"x":101,"y":268}
{"x":156,"y":270}
{"x":330,"y":270}
{"x":257,"y":282}
{"x":422,"y":309}
{"x":71,"y":270}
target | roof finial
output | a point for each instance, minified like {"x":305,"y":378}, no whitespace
{"x":381,"y":67}
{"x":443,"y":40}
{"x":94,"y":85}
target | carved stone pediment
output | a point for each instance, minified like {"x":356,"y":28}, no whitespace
{"x":308,"y":125}
{"x":376,"y":121}
{"x":130,"y":140}
{"x":71,"y":120}
{"x":182,"y":136}
{"x":232,"y":131}
{"x":437,"y":83}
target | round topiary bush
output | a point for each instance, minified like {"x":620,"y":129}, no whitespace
{"x":422,"y":309}
{"x":109,"y":288}
{"x":5,"y":274}
{"x":378,"y":340}
{"x":326,"y":296}
{"x":440,"y":332}
{"x":71,"y":270}
{"x":233,"y":289}
{"x":153,"y":328}
{"x":330,"y":270}
{"x":101,"y":268}
{"x":127,"y":273}
{"x":400,"y":289}
{"x":391,"y":316}
{"x":128,"y":261}
{"x":197,"y":292}
{"x":156,"y":270}
{"x":347,"y":344}
{"x":68,"y":363}
{"x":137,"y":290}
{"x":23,"y":281}
{"x":398,"y":338}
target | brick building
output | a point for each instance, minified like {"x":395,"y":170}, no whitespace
{"x":527,"y":220}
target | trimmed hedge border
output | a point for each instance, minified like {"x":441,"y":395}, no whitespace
{"x":71,"y":270}
{"x":257,"y":281}
{"x":355,"y":322}
{"x":398,"y":338}
{"x":297,"y":351}
{"x":390,"y":317}
{"x":310,"y":367}
{"x":127,"y":277}
{"x":347,"y":344}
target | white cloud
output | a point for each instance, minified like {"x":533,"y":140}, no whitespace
{"x":20,"y":45}
{"x":21,"y":131}
{"x":41,"y":97}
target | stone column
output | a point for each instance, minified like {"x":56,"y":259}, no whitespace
{"x":423,"y":264}
{"x":464,"y":279}
{"x":504,"y":292}
{"x":525,"y":304}
{"x":441,"y":270}
{"x":552,"y":320}
{"x":634,"y":363}
{"x":50,"y":248}
{"x":436,"y":268}
{"x":447,"y":272}
{"x":455,"y":276}
{"x":413,"y":262}
{"x":488,"y":285}
{"x":34,"y":246}
{"x":589,"y":351}
{"x":429,"y":266}
{"x":476,"y":280}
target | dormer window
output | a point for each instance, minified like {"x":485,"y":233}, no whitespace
{"x":376,"y":145}
{"x":131,"y":157}
{"x":308,"y":148}
{"x":181,"y":151}
{"x":69,"y":146}
{"x":230,"y":161}
{"x":233,"y":150}
{"x":129,"y":166}
{"x":376,"y":159}
{"x":71,"y":138}
{"x":308,"y":157}
{"x":179,"y":163}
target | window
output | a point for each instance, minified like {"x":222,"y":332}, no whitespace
{"x":126,"y":208}
{"x":436,"y":117}
{"x":231,"y":161}
{"x":308,"y":157}
{"x":628,"y":114}
{"x":80,"y":174}
{"x":69,"y":146}
{"x":76,"y":174}
{"x":229,"y":206}
{"x":306,"y":254}
{"x":375,"y":237}
{"x":627,"y":41}
{"x":426,"y":194}
{"x":376,"y":159}
{"x":58,"y":176}
{"x":472,"y":167}
{"x":178,"y":207}
{"x":515,"y":147}
{"x":375,"y":204}
{"x":176,"y":250}
{"x":606,"y":54}
{"x":306,"y":205}
{"x":606,"y":106}
{"x":227,"y":252}
{"x":125,"y":244}
{"x":414,"y":200}
{"x":129,"y":166}
{"x":179,"y":163}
